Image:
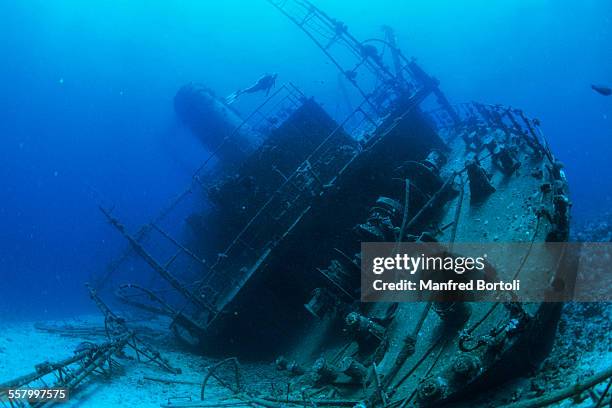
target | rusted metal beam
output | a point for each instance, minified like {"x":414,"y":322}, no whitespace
{"x":148,"y":258}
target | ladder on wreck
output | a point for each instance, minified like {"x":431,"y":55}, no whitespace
{"x":360,"y":62}
{"x":354,"y":59}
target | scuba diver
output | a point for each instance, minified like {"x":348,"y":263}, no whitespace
{"x":265,"y":83}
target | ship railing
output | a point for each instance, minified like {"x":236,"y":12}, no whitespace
{"x":285,"y":205}
{"x":280,"y":104}
{"x":354,"y":60}
{"x":263,"y":119}
{"x":506,"y":118}
{"x":274,"y":111}
{"x":360,"y":62}
{"x":288,"y":204}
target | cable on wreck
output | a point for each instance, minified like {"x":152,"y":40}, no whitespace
{"x":603,"y":395}
{"x":211,"y":373}
{"x":516,"y":274}
{"x":565,"y":392}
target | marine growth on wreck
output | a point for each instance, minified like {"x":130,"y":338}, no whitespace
{"x":253,"y":285}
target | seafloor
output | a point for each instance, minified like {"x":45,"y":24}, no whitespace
{"x":583,"y":347}
{"x":22,"y":346}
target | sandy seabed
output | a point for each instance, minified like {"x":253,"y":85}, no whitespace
{"x":583,"y":347}
{"x":22,"y":346}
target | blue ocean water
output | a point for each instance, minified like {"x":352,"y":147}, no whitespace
{"x":86,"y":106}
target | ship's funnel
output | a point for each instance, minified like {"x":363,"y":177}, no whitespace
{"x":214,"y":122}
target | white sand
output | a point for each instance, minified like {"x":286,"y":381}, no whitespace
{"x":22,"y":347}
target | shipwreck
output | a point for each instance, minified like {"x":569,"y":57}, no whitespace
{"x":291,"y":193}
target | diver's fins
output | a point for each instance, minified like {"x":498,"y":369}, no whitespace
{"x":232,"y":97}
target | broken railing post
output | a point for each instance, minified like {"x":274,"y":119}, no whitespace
{"x":121,"y":329}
